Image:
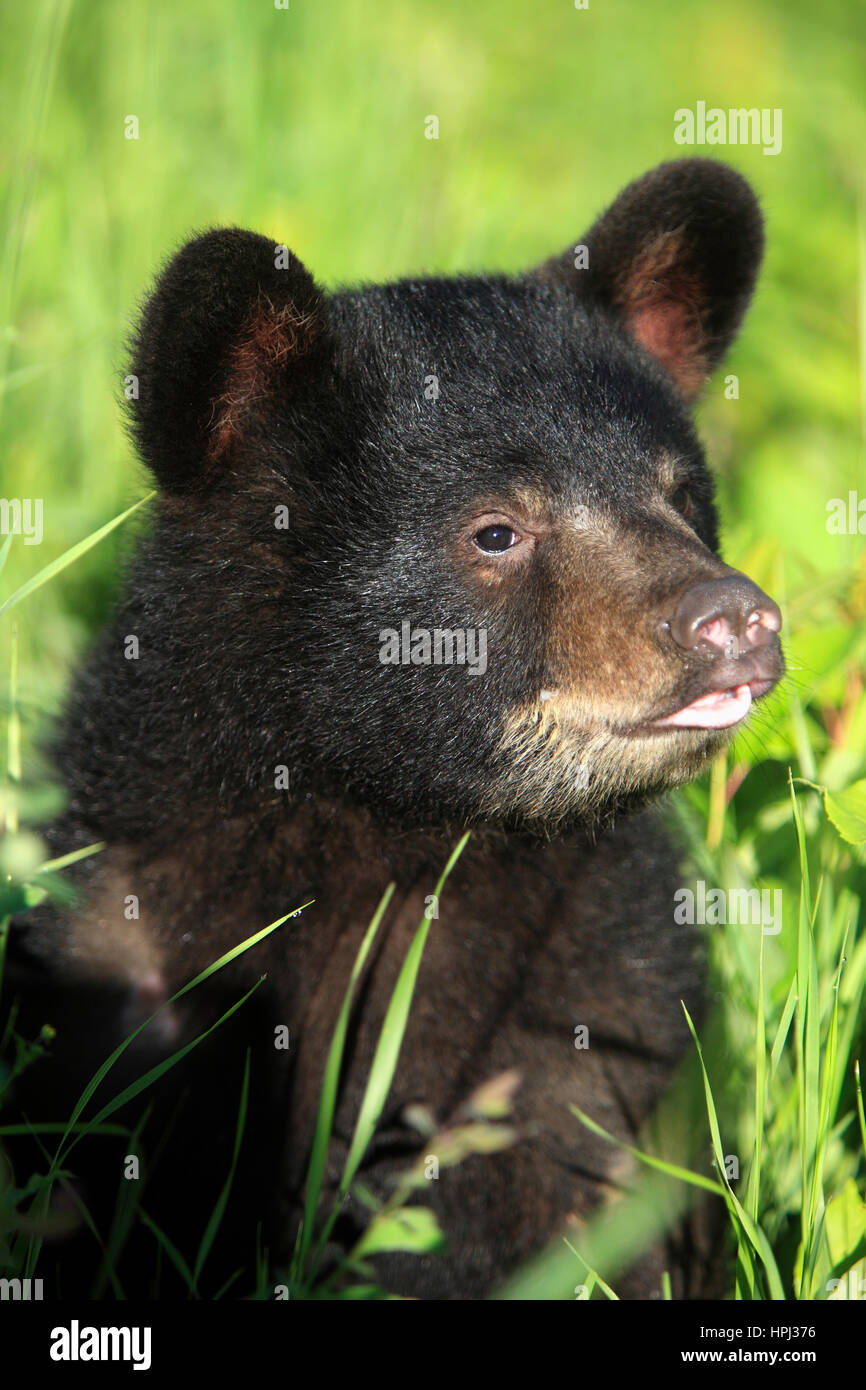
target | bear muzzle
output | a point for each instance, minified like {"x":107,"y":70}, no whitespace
{"x":732,"y":626}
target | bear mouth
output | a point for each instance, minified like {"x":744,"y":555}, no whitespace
{"x":719,"y":709}
{"x":713,"y":712}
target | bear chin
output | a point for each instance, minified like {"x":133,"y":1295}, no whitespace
{"x":556,"y":775}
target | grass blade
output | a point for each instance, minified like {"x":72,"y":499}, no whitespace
{"x":672,"y":1170}
{"x":385,"y":1057}
{"x":70,"y":556}
{"x":739,"y":1215}
{"x":157,"y":1071}
{"x":594,"y":1276}
{"x":328,"y":1098}
{"x":391,"y":1037}
{"x":216,"y":1217}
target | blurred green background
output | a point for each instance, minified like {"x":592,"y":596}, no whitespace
{"x":308,"y":124}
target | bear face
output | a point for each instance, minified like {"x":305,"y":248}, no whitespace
{"x":500,"y":468}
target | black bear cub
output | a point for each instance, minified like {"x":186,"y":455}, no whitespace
{"x":426,"y":556}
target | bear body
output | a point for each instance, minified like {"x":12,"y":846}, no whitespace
{"x":498,"y":472}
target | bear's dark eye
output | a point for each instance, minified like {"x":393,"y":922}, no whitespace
{"x":682,"y":500}
{"x":493,"y":540}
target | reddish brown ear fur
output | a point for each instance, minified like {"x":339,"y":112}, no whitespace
{"x":220,"y":336}
{"x":660,"y":302}
{"x":269,"y":338}
{"x":675,"y":258}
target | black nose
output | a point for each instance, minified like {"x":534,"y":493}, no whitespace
{"x":725,"y":617}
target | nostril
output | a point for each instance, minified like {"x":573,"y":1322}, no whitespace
{"x":717,"y":632}
{"x":763,"y":623}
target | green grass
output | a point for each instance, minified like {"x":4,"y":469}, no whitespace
{"x":308,"y":125}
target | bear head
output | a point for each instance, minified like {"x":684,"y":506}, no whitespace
{"x":447,"y":547}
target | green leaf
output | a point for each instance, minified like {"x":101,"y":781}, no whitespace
{"x":21,"y":855}
{"x":408,"y":1228}
{"x":20,"y":898}
{"x":845,"y":1223}
{"x":34,"y":804}
{"x":452,"y":1146}
{"x":845,"y":1229}
{"x":847,"y":811}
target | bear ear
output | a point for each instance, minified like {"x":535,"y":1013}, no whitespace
{"x":232,"y":330}
{"x":675,"y":257}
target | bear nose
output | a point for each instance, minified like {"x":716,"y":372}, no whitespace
{"x":728,"y":615}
